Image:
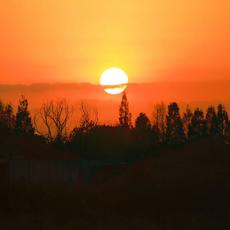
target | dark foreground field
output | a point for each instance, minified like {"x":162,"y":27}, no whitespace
{"x":186,"y":187}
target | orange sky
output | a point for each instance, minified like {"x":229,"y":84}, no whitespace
{"x":75,"y":40}
{"x":142,"y":97}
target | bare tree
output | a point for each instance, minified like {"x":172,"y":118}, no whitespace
{"x":54,"y":117}
{"x":159,"y":119}
{"x":88,"y":121}
{"x":89,"y":116}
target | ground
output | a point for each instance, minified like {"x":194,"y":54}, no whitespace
{"x":185,"y":187}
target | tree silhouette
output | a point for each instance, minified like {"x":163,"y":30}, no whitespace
{"x":88,"y":122}
{"x":227,"y":133}
{"x":159,"y":121}
{"x":174,"y":131}
{"x":222,"y":120}
{"x":211,"y":121}
{"x":124,"y":114}
{"x":142,"y":122}
{"x":54,"y":116}
{"x":144,"y":137}
{"x":89,"y":117}
{"x":187,"y":118}
{"x":198,"y":125}
{"x":7,"y":118}
{"x":23,"y":119}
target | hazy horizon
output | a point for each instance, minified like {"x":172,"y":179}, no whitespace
{"x":141,"y":96}
{"x":130,"y":82}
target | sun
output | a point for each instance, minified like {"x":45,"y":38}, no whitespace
{"x":114,"y":80}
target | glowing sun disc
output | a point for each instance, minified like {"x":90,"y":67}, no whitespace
{"x":114,"y":81}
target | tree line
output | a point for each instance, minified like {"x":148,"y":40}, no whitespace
{"x":167,"y":126}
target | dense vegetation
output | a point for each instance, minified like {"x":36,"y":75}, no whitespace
{"x":49,"y":128}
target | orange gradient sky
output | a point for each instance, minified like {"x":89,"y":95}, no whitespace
{"x":76,"y":40}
